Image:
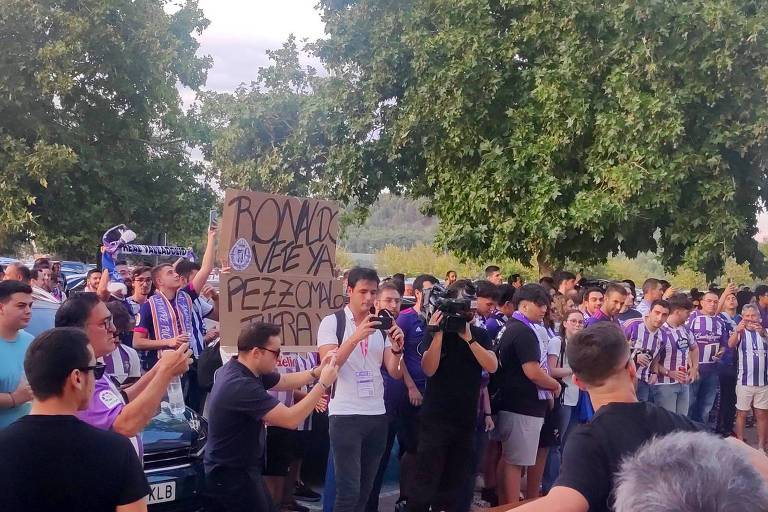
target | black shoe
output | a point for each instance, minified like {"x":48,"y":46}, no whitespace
{"x":294,"y":507}
{"x":304,"y":493}
{"x":490,"y":496}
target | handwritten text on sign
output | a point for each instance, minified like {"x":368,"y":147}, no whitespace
{"x":287,"y":235}
{"x":297,"y":304}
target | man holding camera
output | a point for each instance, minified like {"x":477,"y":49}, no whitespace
{"x":358,"y":423}
{"x":455,"y":356}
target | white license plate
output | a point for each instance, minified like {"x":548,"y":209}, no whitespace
{"x":162,"y":492}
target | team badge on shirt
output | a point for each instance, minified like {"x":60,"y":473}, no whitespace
{"x":109,"y":399}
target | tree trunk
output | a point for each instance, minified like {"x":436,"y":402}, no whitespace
{"x":545,"y":267}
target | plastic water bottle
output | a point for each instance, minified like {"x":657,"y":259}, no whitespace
{"x":176,"y":397}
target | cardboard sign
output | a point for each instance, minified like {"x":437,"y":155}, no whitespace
{"x":296,"y":304}
{"x":287,"y":235}
{"x":282,"y":254}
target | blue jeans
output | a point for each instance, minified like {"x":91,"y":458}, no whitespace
{"x":554,"y":459}
{"x":329,"y":489}
{"x":703,"y":393}
{"x":672,"y":397}
{"x":643,"y":391}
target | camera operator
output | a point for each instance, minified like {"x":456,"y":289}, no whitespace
{"x":453,"y":362}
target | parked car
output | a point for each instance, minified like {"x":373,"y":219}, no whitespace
{"x":75,"y":282}
{"x":73,"y":267}
{"x":173,"y":446}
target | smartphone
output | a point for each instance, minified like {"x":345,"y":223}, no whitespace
{"x":211,"y":218}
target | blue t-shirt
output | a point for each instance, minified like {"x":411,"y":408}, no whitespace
{"x":11,"y":372}
{"x":395,"y":392}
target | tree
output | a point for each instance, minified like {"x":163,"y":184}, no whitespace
{"x":91,"y":128}
{"x":247,"y":136}
{"x":564,"y":130}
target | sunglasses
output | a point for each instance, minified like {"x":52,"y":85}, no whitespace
{"x":276,"y":352}
{"x":98,"y":370}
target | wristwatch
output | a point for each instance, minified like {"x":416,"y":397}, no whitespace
{"x":471,"y":341}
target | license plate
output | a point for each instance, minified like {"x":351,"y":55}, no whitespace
{"x":162,"y":492}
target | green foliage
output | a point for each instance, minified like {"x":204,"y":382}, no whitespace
{"x":424,"y":259}
{"x":91,"y":129}
{"x":392,"y":221}
{"x":566,"y":130}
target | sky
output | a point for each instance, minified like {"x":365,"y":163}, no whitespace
{"x":241,"y":31}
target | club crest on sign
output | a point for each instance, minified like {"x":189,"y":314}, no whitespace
{"x":240,"y":255}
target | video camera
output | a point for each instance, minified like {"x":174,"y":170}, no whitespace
{"x":456,"y":311}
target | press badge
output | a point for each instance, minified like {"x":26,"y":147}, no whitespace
{"x":364,"y":384}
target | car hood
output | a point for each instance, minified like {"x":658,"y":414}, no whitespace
{"x":166,"y":432}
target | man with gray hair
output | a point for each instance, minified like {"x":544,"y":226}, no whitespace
{"x":752,"y":381}
{"x":688,"y":475}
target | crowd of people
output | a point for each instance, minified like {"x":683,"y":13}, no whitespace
{"x":561,"y":393}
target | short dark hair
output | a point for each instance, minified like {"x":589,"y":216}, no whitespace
{"x":121,"y":262}
{"x":159,"y":268}
{"x":615,"y":288}
{"x":418,"y":283}
{"x":120,"y":316}
{"x":457,"y":286}
{"x":532,"y":293}
{"x":679,"y":301}
{"x":35,"y":273}
{"x":91,"y":272}
{"x":185,"y":267}
{"x":389,"y":285}
{"x":362,"y":274}
{"x":513,"y":278}
{"x":506,"y":293}
{"x":8,"y":288}
{"x":399,"y":276}
{"x":661,"y":302}
{"x":74,"y":312}
{"x":140,"y":270}
{"x":256,"y":335}
{"x":631,"y":284}
{"x":596,"y":352}
{"x":52,"y":356}
{"x":563,"y":275}
{"x":42,"y":263}
{"x":487,"y":290}
{"x":650,"y":284}
{"x":591,"y":289}
{"x":449,"y":273}
{"x":490,"y":269}
{"x":761,"y":289}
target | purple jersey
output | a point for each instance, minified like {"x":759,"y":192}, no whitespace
{"x":395,"y":390}
{"x":122,"y":363}
{"x":599,"y":316}
{"x":494,"y":323}
{"x":711,"y":334}
{"x":676,"y":342}
{"x":106,"y":404}
{"x":642,"y":339}
{"x":752,"y":358}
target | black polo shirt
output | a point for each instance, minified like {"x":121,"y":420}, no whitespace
{"x":237,"y":405}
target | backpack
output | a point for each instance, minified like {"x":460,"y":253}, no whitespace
{"x":207,"y":364}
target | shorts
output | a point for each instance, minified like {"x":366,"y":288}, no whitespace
{"x":747,"y":396}
{"x":519,"y":436}
{"x":281,"y":447}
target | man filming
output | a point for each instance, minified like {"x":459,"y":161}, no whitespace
{"x":453,"y":363}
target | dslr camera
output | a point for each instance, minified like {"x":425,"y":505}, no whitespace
{"x":457,"y":311}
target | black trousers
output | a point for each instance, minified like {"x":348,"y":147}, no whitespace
{"x":727,"y":415}
{"x":237,"y":490}
{"x":444,"y":462}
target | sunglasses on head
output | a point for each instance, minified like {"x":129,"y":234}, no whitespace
{"x":98,"y":370}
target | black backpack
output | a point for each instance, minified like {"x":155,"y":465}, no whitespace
{"x":207,"y":364}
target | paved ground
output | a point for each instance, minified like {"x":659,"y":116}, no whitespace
{"x":390,"y":489}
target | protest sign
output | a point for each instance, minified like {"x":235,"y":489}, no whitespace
{"x":282,"y":256}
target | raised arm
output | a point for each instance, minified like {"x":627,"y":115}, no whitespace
{"x":206,"y":265}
